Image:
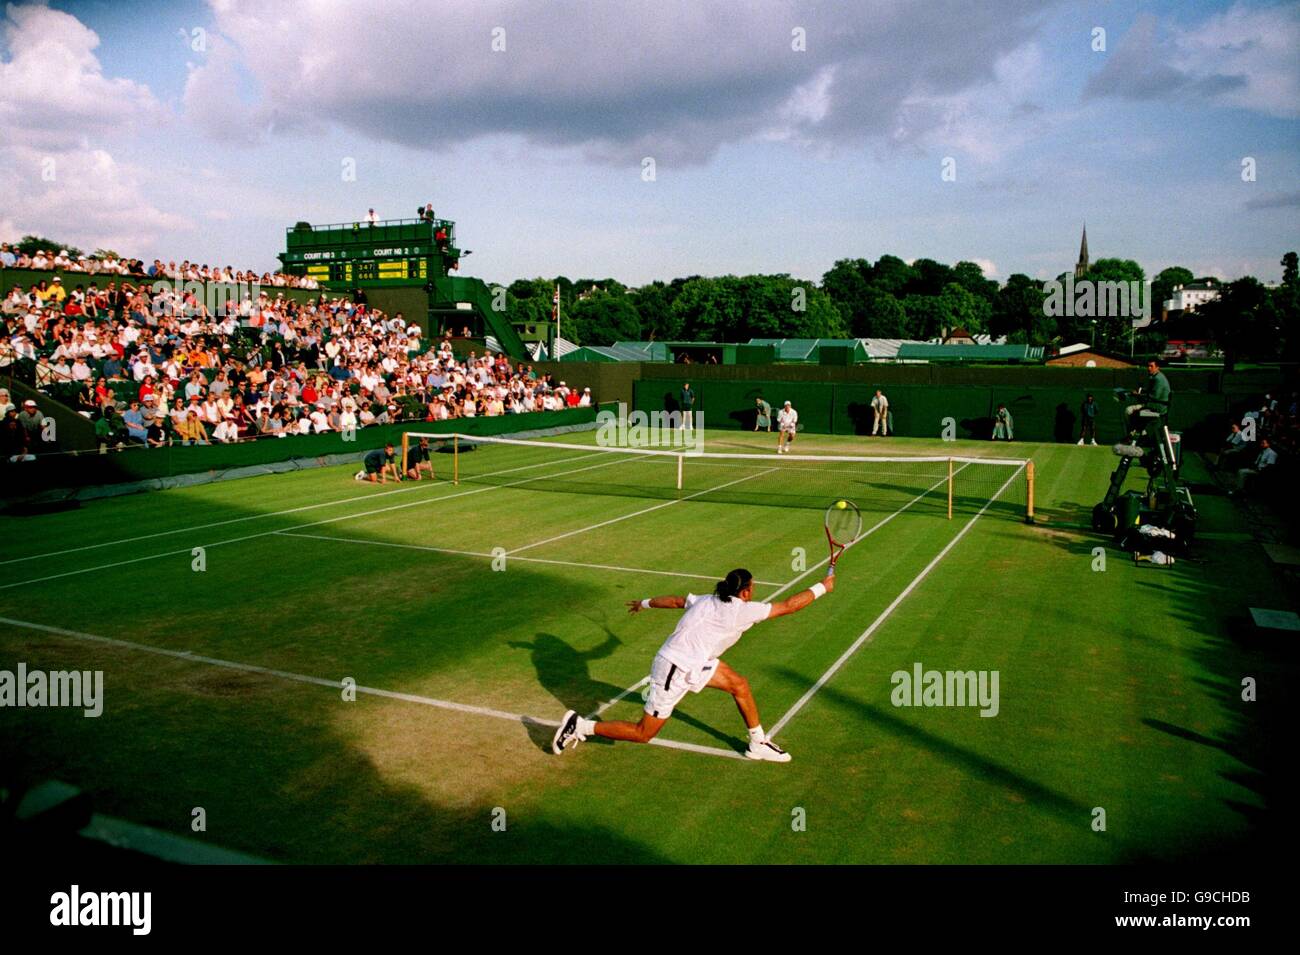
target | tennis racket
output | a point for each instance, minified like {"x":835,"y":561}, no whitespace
{"x":843,"y":527}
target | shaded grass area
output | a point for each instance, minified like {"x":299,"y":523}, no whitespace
{"x":1120,"y":689}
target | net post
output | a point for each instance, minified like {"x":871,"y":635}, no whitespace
{"x":455,"y":459}
{"x":1029,"y":496}
{"x":950,"y":489}
{"x":680,"y":459}
{"x":406,"y":444}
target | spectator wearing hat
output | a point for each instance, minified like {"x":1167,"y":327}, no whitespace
{"x":135,"y":426}
{"x":32,"y":419}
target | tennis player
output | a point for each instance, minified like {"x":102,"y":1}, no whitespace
{"x":787,"y":423}
{"x":689,"y":661}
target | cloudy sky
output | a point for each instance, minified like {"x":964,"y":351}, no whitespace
{"x":783,"y":135}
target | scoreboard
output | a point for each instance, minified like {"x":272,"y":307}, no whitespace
{"x":402,"y":252}
{"x":354,"y":271}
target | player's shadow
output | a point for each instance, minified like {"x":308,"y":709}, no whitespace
{"x":565,"y":672}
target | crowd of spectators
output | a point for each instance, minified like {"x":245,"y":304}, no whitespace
{"x":62,"y":261}
{"x":1261,"y":447}
{"x":156,"y":368}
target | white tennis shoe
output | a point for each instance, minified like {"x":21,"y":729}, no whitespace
{"x":765,"y":749}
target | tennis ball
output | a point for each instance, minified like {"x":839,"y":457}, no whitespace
{"x":841,"y":504}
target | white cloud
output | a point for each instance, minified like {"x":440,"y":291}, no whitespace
{"x":54,"y":102}
{"x":52,"y":88}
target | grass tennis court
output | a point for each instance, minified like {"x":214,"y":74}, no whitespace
{"x":1119,"y":689}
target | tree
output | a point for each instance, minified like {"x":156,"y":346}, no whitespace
{"x":653,"y":304}
{"x":881,"y":316}
{"x":1244,"y":321}
{"x":926,"y":315}
{"x":31,"y":244}
{"x":1112,"y":329}
{"x":1286,"y":300}
{"x":847,"y":286}
{"x":964,"y":310}
{"x":1018,"y":312}
{"x":891,"y":274}
{"x":928,"y":277}
{"x":971,"y":277}
{"x":605,"y":317}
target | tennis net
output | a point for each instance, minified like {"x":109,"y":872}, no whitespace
{"x":946,"y":484}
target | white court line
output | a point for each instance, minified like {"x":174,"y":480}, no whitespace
{"x":863,"y":536}
{"x":329,"y":520}
{"x":618,"y":699}
{"x":334,"y":684}
{"x":254,"y":517}
{"x":531,"y":560}
{"x":885,"y":614}
{"x":647,"y":510}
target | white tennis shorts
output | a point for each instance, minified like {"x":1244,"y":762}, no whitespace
{"x":669,"y":683}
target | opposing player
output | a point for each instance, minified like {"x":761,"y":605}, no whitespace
{"x":787,"y":423}
{"x":418,"y":461}
{"x":378,"y":464}
{"x":689,"y":661}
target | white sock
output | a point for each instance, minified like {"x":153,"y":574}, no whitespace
{"x":756,"y":734}
{"x":586,"y":727}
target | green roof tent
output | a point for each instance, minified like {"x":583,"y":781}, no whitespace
{"x":1002,"y":354}
{"x":809,"y":349}
{"x":602,"y":353}
{"x":649,"y":351}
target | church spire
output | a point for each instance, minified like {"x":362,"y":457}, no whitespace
{"x":1081,"y":267}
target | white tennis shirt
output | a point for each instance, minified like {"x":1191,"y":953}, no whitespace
{"x":787,"y":418}
{"x":709,"y":628}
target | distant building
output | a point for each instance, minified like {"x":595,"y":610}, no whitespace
{"x":1082,"y":356}
{"x":958,"y":336}
{"x":1186,"y":298}
{"x":1081,"y":267}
